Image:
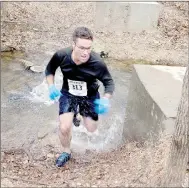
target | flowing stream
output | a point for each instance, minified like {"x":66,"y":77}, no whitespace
{"x":28,"y":115}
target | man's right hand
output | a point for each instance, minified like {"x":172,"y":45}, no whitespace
{"x":54,"y":92}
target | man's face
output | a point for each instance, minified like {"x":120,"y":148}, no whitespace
{"x":82,"y":49}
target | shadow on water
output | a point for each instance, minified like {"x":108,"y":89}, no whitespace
{"x":30,"y":119}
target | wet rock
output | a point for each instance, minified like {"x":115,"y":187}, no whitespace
{"x":27,"y":64}
{"x":37,"y":69}
{"x":8,"y":49}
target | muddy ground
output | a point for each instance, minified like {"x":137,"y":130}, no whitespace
{"x":39,"y":30}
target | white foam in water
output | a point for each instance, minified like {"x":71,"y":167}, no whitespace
{"x":108,"y":136}
{"x":40,"y":93}
{"x":114,"y":132}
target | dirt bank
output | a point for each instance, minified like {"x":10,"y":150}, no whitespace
{"x":40,"y":27}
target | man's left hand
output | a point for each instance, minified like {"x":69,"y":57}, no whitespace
{"x":102,"y":105}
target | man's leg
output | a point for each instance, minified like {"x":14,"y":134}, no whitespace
{"x":90,"y":124}
{"x":65,"y":130}
{"x":87,"y":110}
{"x":67,"y":108}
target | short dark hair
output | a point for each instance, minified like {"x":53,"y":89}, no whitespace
{"x":83,"y":33}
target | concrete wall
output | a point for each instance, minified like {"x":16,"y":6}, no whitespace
{"x":126,"y":16}
{"x":153,"y":100}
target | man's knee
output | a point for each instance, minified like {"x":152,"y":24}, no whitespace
{"x":65,"y":128}
{"x":91,"y":126}
{"x":65,"y":123}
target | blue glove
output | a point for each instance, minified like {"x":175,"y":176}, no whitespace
{"x":54,"y":93}
{"x":101,"y":105}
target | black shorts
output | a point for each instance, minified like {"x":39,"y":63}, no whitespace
{"x":83,"y":105}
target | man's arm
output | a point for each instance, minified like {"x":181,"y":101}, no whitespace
{"x":103,"y":104}
{"x":50,"y":70}
{"x":50,"y":79}
{"x":105,"y":77}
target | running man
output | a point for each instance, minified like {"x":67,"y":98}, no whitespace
{"x":81,"y":68}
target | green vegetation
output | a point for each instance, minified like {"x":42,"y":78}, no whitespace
{"x":9,"y":56}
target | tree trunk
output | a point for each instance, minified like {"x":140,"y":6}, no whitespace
{"x":177,"y":163}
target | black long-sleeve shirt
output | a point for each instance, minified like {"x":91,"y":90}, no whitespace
{"x":91,"y":71}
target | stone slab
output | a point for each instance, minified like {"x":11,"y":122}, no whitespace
{"x":153,"y":100}
{"x":126,"y":16}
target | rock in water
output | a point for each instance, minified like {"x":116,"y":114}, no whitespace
{"x":27,"y":64}
{"x":37,"y":69}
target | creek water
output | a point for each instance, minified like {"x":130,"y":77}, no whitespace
{"x":28,"y":115}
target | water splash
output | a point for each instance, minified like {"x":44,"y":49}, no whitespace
{"x":40,"y":93}
{"x":110,"y":126}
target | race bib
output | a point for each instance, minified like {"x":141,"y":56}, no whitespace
{"x":78,"y":88}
